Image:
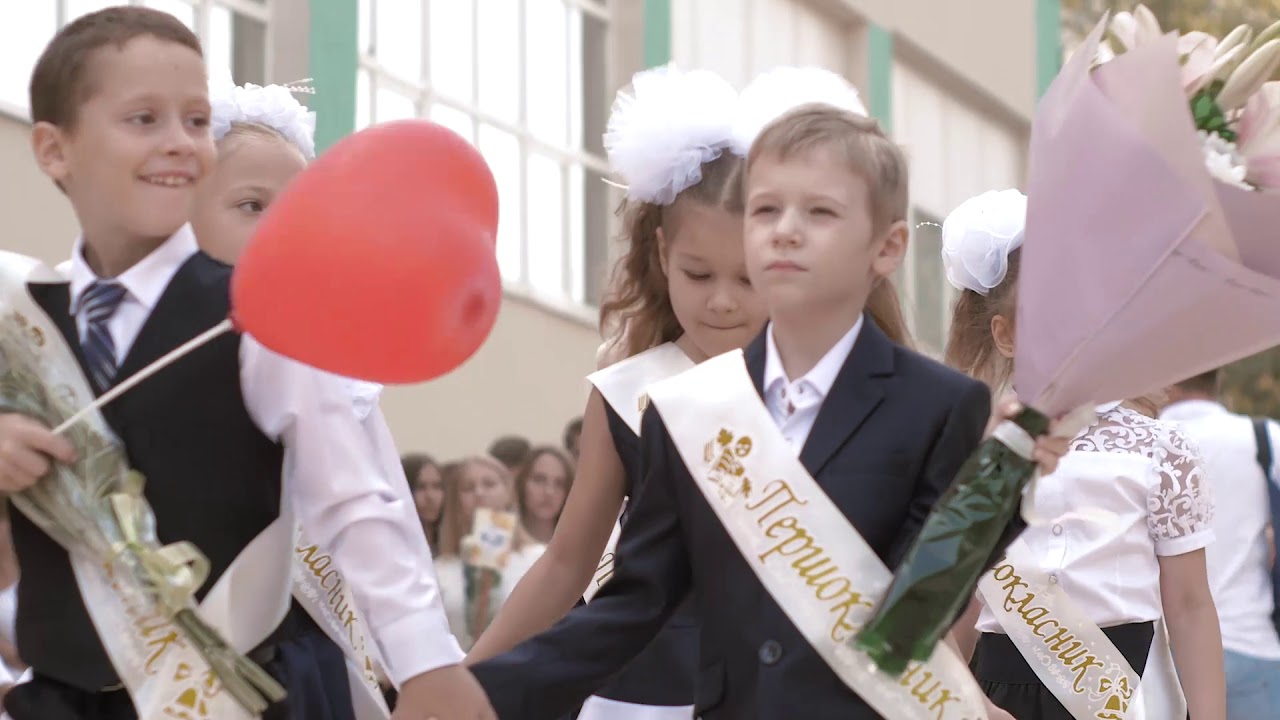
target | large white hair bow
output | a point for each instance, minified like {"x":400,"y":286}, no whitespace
{"x":273,"y":106}
{"x":978,"y":236}
{"x":663,"y":130}
{"x":778,"y":91}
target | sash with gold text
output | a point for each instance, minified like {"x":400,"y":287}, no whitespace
{"x":1070,"y":654}
{"x":623,"y":386}
{"x":164,"y":675}
{"x":813,"y":563}
{"x":322,"y":591}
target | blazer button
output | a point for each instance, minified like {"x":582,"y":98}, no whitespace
{"x":770,"y":652}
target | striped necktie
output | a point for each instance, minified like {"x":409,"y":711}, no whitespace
{"x":99,"y":303}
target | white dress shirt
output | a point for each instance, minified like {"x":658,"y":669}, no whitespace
{"x":1147,"y":474}
{"x":1239,"y":574}
{"x":342,"y":476}
{"x":794,"y":404}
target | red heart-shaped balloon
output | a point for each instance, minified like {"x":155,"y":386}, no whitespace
{"x":377,"y":261}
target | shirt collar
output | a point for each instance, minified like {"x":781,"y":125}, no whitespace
{"x":146,"y":280}
{"x":1192,"y":409}
{"x":823,"y":375}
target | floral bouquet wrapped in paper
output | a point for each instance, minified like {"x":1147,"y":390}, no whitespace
{"x":1150,"y":257}
{"x":96,"y":510}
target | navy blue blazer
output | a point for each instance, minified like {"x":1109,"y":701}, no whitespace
{"x":887,"y":442}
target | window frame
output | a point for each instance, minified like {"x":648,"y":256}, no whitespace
{"x":202,"y":14}
{"x":573,"y":299}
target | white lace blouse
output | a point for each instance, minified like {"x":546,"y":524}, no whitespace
{"x":1146,"y":473}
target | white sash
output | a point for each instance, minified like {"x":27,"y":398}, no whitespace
{"x":164,"y":675}
{"x":816,"y":566}
{"x":321,"y":589}
{"x":1069,"y":653}
{"x":623,"y":386}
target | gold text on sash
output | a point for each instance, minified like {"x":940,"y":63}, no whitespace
{"x":778,"y":515}
{"x":1060,"y":644}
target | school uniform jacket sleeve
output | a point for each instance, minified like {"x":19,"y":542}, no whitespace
{"x":550,"y":674}
{"x":344,"y":481}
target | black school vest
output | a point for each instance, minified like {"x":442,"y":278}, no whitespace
{"x":212,"y":477}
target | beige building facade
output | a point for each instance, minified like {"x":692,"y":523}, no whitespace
{"x":530,"y":83}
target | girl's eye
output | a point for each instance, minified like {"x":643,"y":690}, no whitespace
{"x":763,"y":210}
{"x":199,"y":121}
{"x":251,"y":206}
{"x":697,"y":277}
{"x":823,"y":211}
{"x":145,"y":118}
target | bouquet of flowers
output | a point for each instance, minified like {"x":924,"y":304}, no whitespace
{"x":95,"y":508}
{"x":1153,"y":194}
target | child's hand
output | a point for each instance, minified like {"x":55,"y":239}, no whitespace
{"x":1049,"y":448}
{"x":449,"y":693}
{"x":26,"y":447}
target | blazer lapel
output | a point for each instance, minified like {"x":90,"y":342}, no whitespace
{"x":856,"y":392}
{"x":755,"y":357}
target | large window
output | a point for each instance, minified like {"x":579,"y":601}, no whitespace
{"x":233,"y":32}
{"x":525,"y":82}
{"x":929,"y":294}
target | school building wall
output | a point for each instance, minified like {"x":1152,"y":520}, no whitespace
{"x":530,"y":82}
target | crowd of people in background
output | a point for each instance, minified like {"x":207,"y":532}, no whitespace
{"x":512,"y":476}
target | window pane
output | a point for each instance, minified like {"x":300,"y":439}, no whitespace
{"x":364,"y":27}
{"x":546,"y":231}
{"x":76,"y":8}
{"x":217,"y":47}
{"x":452,"y":64}
{"x":364,"y":113}
{"x":547,"y":70}
{"x":177,"y":8}
{"x":249,"y":50}
{"x":455,"y":120}
{"x":598,"y":233}
{"x":577,"y":234}
{"x":391,"y":105}
{"x":498,"y":58}
{"x":398,"y":45}
{"x":590,"y":87}
{"x":930,"y":293}
{"x":502,"y":151}
{"x":24,"y":30}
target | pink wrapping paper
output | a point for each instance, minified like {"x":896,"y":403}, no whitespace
{"x":1139,"y":269}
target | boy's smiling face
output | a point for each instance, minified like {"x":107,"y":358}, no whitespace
{"x":810,"y":240}
{"x":139,"y":145}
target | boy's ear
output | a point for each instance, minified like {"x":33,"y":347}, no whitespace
{"x":892,"y":249}
{"x":48,"y":144}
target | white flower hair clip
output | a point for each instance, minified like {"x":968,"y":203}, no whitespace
{"x":661,"y":133}
{"x":776,"y":92}
{"x":273,"y":106}
{"x":979,"y":235}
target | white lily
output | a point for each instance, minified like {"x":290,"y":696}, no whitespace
{"x":1249,"y":76}
{"x":1258,"y":136}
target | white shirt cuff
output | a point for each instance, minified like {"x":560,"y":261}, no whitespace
{"x":1187,"y":543}
{"x":416,"y":644}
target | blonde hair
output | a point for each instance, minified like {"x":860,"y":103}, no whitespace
{"x":870,"y":154}
{"x":970,"y":347}
{"x":256,"y":130}
{"x":637,"y":309}
{"x":453,"y":525}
